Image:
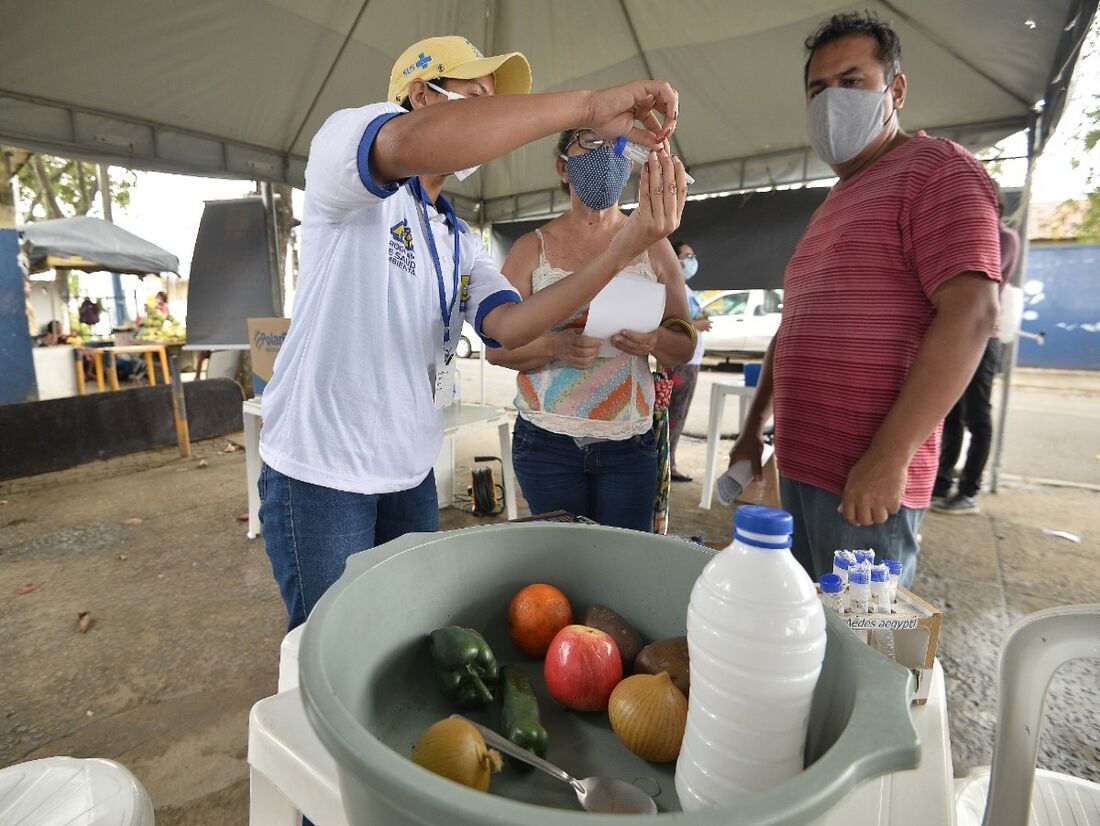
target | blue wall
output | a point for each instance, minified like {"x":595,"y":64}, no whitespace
{"x":16,"y":364}
{"x":1062,"y":299}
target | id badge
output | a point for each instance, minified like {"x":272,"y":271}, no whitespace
{"x":445,"y":385}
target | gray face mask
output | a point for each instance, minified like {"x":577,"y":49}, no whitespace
{"x":841,"y":123}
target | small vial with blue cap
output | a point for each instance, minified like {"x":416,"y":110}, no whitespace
{"x":880,"y":590}
{"x":895,"y":578}
{"x":832,"y":589}
{"x":842,"y":563}
{"x":859,"y":590}
{"x":865,"y":555}
{"x":636,"y":152}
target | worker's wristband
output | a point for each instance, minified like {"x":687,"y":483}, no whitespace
{"x":684,"y":325}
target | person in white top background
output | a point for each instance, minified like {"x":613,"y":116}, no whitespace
{"x":351,"y":422}
{"x":685,"y":376}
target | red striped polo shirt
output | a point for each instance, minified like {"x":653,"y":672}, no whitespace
{"x":856,"y":304}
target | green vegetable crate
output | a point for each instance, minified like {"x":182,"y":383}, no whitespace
{"x":369,"y":689}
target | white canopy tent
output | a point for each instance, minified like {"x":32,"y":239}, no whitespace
{"x":238,"y":89}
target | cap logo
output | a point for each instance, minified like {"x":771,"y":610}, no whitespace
{"x":422,"y":62}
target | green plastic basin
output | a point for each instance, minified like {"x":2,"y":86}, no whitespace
{"x":369,"y":692}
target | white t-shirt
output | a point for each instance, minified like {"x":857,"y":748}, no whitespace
{"x":350,"y":403}
{"x":700,"y":346}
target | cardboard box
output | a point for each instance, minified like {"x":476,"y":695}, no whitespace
{"x":265,"y":338}
{"x":914,"y":631}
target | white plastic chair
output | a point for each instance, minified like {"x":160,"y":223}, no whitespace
{"x":1012,"y":792}
{"x":65,"y":791}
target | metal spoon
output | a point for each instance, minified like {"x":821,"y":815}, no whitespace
{"x":604,"y":795}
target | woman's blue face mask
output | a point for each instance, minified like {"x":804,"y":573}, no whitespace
{"x":598,"y":177}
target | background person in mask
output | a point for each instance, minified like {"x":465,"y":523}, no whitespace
{"x":349,"y":441}
{"x":584,"y":439}
{"x":889,"y":300}
{"x":686,"y":375}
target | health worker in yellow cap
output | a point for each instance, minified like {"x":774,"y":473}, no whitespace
{"x":388,"y":274}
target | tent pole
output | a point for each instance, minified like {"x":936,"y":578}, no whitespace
{"x":1008,"y":357}
{"x":272,"y":248}
{"x":103,"y":175}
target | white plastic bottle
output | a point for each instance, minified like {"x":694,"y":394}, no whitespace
{"x":756,"y":640}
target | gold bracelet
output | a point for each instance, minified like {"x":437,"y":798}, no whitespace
{"x":684,"y":325}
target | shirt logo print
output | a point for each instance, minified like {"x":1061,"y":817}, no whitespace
{"x":401,"y":247}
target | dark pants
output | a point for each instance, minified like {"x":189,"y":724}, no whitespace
{"x":974,"y":412}
{"x":819,"y":530}
{"x":613,"y":483}
{"x":310,"y":531}
{"x":683,"y":378}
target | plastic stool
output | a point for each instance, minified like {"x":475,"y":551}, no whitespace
{"x":65,"y":791}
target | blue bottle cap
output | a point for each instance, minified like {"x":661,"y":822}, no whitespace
{"x":893,"y":565}
{"x":762,"y":519}
{"x":879,"y":574}
{"x":840,"y":560}
{"x":831,"y":583}
{"x":859,"y":577}
{"x":619,"y":145}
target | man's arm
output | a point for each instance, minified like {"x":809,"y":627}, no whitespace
{"x":453,"y":135}
{"x":750,"y":441}
{"x":966,"y":312}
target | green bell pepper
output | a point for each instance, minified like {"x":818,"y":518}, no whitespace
{"x":465,"y":666}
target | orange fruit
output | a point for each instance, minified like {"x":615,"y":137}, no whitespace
{"x":535,"y":615}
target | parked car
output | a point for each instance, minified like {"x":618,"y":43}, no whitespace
{"x":469,"y":344}
{"x":742,"y":321}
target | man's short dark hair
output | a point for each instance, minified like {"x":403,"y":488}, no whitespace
{"x":888,"y":47}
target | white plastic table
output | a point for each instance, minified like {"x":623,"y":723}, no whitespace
{"x":292,"y":773}
{"x":718,"y":392}
{"x":456,"y":419}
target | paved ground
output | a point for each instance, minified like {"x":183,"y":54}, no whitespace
{"x":187,"y":620}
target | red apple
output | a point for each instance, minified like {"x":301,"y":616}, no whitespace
{"x":582,"y":668}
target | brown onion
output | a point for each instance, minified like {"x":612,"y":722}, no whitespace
{"x":454,"y":749}
{"x":649,"y":714}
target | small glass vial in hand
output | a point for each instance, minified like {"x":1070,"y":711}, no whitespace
{"x":637,"y":153}
{"x":859,"y":591}
{"x":832,"y":588}
{"x":880,"y":590}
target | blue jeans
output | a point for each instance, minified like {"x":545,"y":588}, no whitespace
{"x":613,"y":483}
{"x":310,"y":531}
{"x":819,"y":530}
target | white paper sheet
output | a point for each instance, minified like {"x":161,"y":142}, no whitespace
{"x":626,"y":303}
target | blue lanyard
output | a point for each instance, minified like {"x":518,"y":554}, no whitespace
{"x":445,"y":310}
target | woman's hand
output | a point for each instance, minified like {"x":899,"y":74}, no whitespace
{"x":575,"y":349}
{"x":662,"y":192}
{"x":634,"y":343}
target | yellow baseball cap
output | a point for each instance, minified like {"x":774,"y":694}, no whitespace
{"x":457,"y":57}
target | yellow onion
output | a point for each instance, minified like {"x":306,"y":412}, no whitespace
{"x":649,"y":714}
{"x":454,"y":749}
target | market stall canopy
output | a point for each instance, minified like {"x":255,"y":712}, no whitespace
{"x":92,"y":244}
{"x":238,"y":89}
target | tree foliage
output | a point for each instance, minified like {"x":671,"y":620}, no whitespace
{"x":1090,"y":140}
{"x":64,"y":188}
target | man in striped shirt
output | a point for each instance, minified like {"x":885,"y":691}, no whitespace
{"x":889,"y":299}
